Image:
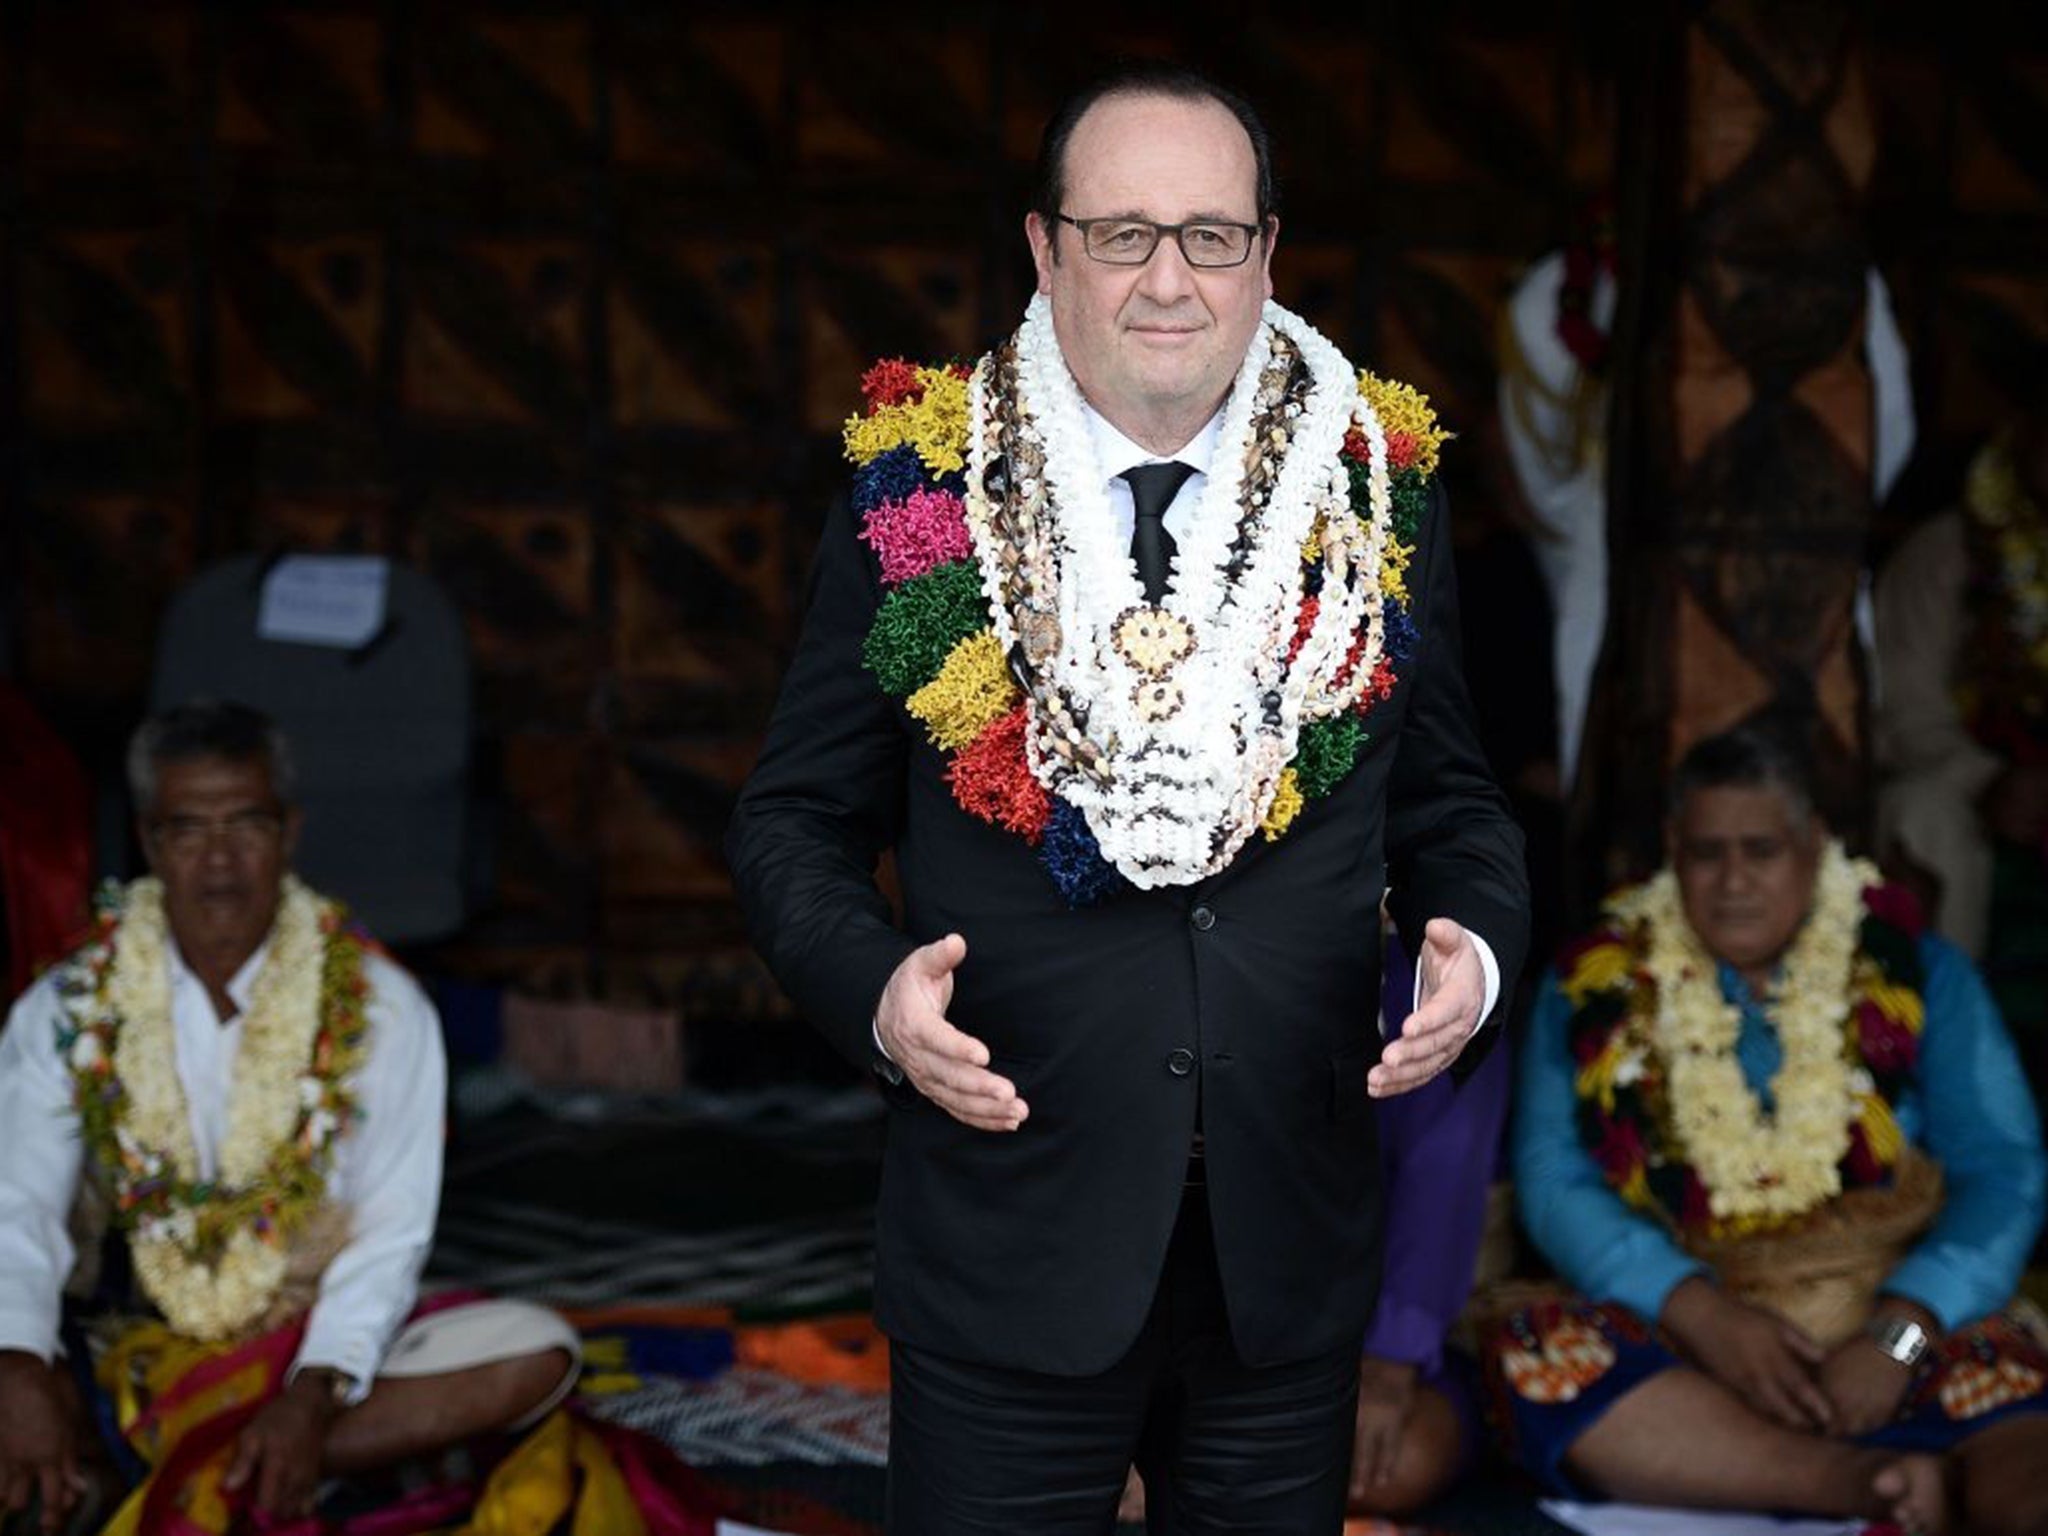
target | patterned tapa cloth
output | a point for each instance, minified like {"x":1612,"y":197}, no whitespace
{"x":1553,"y":1368}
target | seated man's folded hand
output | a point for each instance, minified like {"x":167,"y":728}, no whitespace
{"x":278,"y":1456}
{"x":1763,"y":1359}
{"x":38,"y":1440}
{"x":1386,"y":1396}
{"x":1867,"y":1385}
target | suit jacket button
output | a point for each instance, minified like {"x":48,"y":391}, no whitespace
{"x":1203,"y":919}
{"x":1180,"y":1061}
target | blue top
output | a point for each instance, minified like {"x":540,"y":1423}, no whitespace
{"x":1967,"y":1105}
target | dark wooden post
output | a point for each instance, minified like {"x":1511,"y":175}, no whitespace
{"x":1739,"y":480}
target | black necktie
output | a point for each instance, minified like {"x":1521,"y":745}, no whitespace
{"x":1153,"y":487}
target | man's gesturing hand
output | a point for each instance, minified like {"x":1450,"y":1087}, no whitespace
{"x":1453,"y":993}
{"x":946,"y":1066}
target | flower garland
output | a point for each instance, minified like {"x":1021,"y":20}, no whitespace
{"x":212,"y":1252}
{"x":2003,"y":679}
{"x":1132,"y":743}
{"x":1663,"y":1102}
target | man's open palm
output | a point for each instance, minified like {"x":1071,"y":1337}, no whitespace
{"x":1453,"y":994}
{"x":946,"y":1065}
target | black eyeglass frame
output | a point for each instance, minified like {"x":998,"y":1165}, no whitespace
{"x":1254,"y":232}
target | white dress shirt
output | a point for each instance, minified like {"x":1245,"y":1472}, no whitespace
{"x":386,"y":1170}
{"x":1115,"y":453}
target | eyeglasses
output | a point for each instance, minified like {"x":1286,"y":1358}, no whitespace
{"x":1131,"y":242}
{"x":244,"y":831}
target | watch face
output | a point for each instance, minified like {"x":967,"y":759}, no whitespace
{"x":1904,"y":1340}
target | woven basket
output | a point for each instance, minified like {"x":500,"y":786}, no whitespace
{"x":1823,"y":1275}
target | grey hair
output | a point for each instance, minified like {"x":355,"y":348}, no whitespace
{"x":1756,"y":754}
{"x":215,"y":728}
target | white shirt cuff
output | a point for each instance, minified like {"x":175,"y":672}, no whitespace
{"x":1487,"y":964}
{"x":359,"y":1380}
{"x":875,"y":1029}
{"x":32,"y":1334}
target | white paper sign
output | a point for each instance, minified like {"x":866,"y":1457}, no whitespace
{"x":1642,"y":1520}
{"x":335,"y":600}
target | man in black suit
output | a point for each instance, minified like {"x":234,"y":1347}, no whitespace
{"x":1144,"y":808}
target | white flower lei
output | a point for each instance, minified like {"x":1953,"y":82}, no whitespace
{"x":1183,"y":793}
{"x":1750,"y":1165}
{"x":277,"y":1097}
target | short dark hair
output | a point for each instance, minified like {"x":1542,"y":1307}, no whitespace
{"x":1760,"y":753}
{"x":200,"y":728}
{"x":1149,"y":77}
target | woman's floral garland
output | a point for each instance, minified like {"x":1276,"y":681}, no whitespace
{"x":212,"y":1253}
{"x":2004,"y":689}
{"x":1663,"y":1103}
{"x":1129,"y":742}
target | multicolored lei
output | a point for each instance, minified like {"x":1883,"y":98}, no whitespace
{"x":933,"y":645}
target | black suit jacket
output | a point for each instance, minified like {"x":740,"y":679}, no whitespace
{"x":1257,"y":989}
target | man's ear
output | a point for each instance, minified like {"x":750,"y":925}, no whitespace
{"x":1044,"y":254}
{"x":1272,"y":239}
{"x":1814,"y":835}
{"x":294,"y":820}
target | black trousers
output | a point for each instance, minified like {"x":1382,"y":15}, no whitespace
{"x":1223,"y":1446}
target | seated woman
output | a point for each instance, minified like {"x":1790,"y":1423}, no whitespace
{"x":1418,"y":1423}
{"x":1761,"y":1042}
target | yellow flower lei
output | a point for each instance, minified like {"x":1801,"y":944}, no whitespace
{"x":212,"y":1253}
{"x":935,"y":423}
{"x":1757,"y":1169}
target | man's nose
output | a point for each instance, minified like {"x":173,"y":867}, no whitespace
{"x":1166,"y":278}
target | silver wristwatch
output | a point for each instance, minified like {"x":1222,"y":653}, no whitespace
{"x":1900,"y":1337}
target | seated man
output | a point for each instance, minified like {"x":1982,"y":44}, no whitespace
{"x":1761,"y":1043}
{"x":255,"y":1091}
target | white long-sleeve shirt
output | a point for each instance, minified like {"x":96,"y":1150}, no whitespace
{"x":386,"y":1171}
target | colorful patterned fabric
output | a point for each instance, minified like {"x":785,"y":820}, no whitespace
{"x":180,"y":1407}
{"x":1552,"y":1370}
